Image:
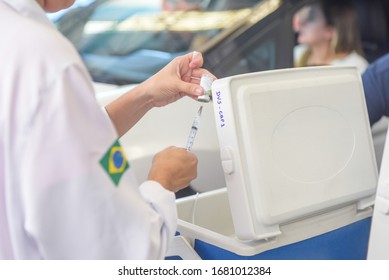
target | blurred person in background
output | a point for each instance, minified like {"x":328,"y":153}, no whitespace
{"x":328,"y":34}
{"x":376,"y":87}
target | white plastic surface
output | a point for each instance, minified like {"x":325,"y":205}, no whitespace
{"x":379,"y":235}
{"x":207,"y":217}
{"x":294,"y":142}
{"x":180,"y":247}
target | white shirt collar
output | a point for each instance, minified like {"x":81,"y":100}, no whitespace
{"x":30,"y":9}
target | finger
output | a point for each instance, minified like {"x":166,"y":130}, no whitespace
{"x":194,"y":80}
{"x":197,"y":73}
{"x":191,"y":89}
{"x":195,"y":54}
{"x":196,"y":60}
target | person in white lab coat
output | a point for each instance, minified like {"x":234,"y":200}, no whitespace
{"x":66,"y":188}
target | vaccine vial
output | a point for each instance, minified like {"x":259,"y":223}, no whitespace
{"x":206,"y":84}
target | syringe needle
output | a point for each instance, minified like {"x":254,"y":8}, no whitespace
{"x":193,"y":130}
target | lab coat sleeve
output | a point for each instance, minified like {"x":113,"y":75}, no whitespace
{"x":153,"y":192}
{"x":72,"y":208}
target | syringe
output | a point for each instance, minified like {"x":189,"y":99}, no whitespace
{"x":189,"y":144}
{"x":193,"y":130}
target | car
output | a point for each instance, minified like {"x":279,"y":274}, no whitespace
{"x":124,"y":42}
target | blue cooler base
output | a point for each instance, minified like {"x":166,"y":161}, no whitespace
{"x":347,"y":243}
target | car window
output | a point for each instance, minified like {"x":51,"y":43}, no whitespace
{"x":124,"y":42}
{"x":259,"y":58}
{"x":127,"y":41}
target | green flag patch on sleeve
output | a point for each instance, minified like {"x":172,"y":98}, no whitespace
{"x":114,"y":162}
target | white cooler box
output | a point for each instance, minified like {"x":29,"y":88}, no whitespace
{"x":298,"y":159}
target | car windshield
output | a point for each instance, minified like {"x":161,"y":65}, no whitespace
{"x":127,"y":41}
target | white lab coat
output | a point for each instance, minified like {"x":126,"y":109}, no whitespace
{"x":56,"y":199}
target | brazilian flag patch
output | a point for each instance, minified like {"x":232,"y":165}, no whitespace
{"x":114,"y":162}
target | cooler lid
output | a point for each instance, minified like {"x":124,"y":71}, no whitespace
{"x":293,"y":143}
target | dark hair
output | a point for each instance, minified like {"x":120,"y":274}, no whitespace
{"x":341,"y":15}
